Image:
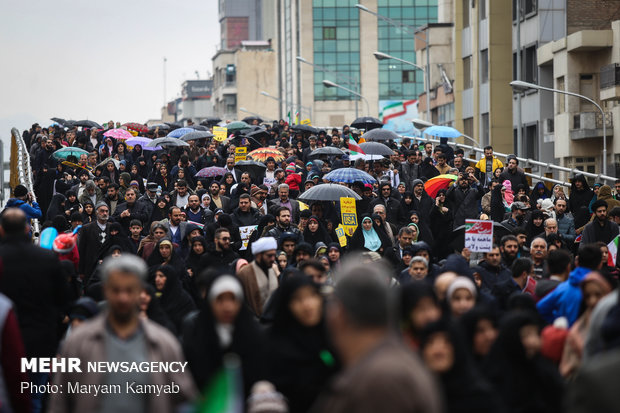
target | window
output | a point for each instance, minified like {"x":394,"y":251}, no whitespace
{"x":561,"y":99}
{"x":484,"y":66}
{"x":587,"y":88}
{"x":445,"y":115}
{"x":531,"y":141}
{"x":468,"y":81}
{"x":329,"y":33}
{"x":484,"y":129}
{"x":230,"y":74}
{"x":529,"y":6}
{"x":468,"y":126}
{"x":530,"y":62}
{"x":408,"y":76}
{"x":482,"y":9}
{"x":465,"y":13}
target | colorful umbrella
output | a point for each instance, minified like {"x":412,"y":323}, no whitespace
{"x":433,"y":185}
{"x":349,"y":175}
{"x":118,"y":134}
{"x":211,"y":172}
{"x":177,"y":133}
{"x":135,"y":126}
{"x":140,"y":140}
{"x":63,"y":153}
{"x":261,"y":154}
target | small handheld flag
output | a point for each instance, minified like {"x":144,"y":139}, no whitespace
{"x":354,"y":147}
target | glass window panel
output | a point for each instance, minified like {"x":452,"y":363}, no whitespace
{"x":409,"y":91}
{"x":317,"y":3}
{"x":317,"y":13}
{"x":329,"y":3}
{"x":330,"y":45}
{"x":342,"y":13}
{"x":354,"y":46}
{"x":342,"y":33}
{"x":383,"y":76}
{"x":329,"y":13}
{"x":408,"y":12}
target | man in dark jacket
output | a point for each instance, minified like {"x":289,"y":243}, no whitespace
{"x":513,"y":173}
{"x":245,"y":215}
{"x":463,"y":201}
{"x":580,"y":195}
{"x":491,"y":269}
{"x":601,"y":228}
{"x":219,"y":254}
{"x":422,"y":203}
{"x":410,"y":169}
{"x":394,"y":210}
{"x":129,"y":210}
{"x":91,"y":241}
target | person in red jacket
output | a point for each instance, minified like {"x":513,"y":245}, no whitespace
{"x":293,"y":180}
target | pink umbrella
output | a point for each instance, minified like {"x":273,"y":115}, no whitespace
{"x":118,"y":134}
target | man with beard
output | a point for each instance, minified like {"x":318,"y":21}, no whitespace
{"x":491,"y":269}
{"x":111,"y":197}
{"x":566,"y":224}
{"x":509,"y":247}
{"x":217,"y":200}
{"x":421,"y":201}
{"x":129,"y":210}
{"x":245,"y":215}
{"x":195,"y":212}
{"x":91,"y":241}
{"x":219,"y":254}
{"x":285,"y":201}
{"x":538,"y":254}
{"x":259,"y":199}
{"x":148,"y":200}
{"x":259,"y":279}
{"x":517,"y":215}
{"x":393,"y":208}
{"x":177,"y":228}
{"x":463,"y":200}
{"x":120,"y":334}
{"x":601,"y":228}
{"x":283,"y":224}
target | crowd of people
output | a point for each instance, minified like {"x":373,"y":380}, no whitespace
{"x":155,"y":261}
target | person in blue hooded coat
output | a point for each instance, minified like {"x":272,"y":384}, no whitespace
{"x":23,"y":200}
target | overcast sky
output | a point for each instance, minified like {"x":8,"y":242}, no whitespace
{"x":99,"y":60}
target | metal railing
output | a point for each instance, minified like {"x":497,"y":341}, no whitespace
{"x":24,"y":173}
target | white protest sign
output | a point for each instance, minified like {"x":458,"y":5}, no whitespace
{"x":245,"y":233}
{"x":478,"y":235}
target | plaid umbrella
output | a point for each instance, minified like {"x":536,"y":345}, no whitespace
{"x":261,"y":154}
{"x":135,"y":126}
{"x":118,"y":134}
{"x":349,"y":175}
{"x":211,"y":172}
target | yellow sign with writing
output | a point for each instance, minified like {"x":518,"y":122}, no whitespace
{"x":302,"y":206}
{"x":348,"y":215}
{"x":219,"y":133}
{"x":241,"y":154}
{"x":305,"y":122}
{"x":342,"y":239}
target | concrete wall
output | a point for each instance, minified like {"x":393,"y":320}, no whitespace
{"x":255,"y":72}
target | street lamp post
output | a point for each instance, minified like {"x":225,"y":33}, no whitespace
{"x":329,"y":83}
{"x":518,"y":84}
{"x":411,"y":30}
{"x":286,"y":102}
{"x":351,"y":81}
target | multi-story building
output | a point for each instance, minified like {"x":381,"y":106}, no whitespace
{"x":239,"y":20}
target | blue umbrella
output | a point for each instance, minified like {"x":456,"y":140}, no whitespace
{"x":349,"y":175}
{"x":442,"y":132}
{"x":177,"y":133}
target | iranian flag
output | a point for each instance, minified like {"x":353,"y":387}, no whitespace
{"x":613,"y":251}
{"x":354,"y":147}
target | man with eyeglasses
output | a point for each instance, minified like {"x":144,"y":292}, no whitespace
{"x":220,"y":253}
{"x":393,"y":208}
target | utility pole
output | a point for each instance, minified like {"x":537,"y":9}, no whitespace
{"x":165,"y":60}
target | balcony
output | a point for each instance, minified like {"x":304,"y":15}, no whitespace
{"x":590,"y":125}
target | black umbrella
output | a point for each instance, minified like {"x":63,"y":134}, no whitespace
{"x":458,"y":235}
{"x":251,"y":119}
{"x":87,"y":124}
{"x":327,"y":150}
{"x":328,"y":192}
{"x":380,"y":135}
{"x":200,"y":128}
{"x":305,"y":128}
{"x":257,"y":134}
{"x":161,"y":126}
{"x":254,"y":168}
{"x":62,"y":122}
{"x":210,"y":121}
{"x":192,"y":136}
{"x":166,"y":142}
{"x":173,"y":125}
{"x":367,"y":123}
{"x":376,"y":148}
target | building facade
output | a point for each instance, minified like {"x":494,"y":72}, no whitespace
{"x":240,"y":20}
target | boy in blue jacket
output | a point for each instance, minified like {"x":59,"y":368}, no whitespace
{"x":23,"y":200}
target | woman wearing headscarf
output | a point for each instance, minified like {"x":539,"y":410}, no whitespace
{"x":441,"y":223}
{"x":427,"y":169}
{"x":150,"y":308}
{"x":540,"y":191}
{"x":524,"y":379}
{"x":111,"y":171}
{"x":122,"y":153}
{"x":56,"y":207}
{"x":593,"y":288}
{"x":229,"y":180}
{"x":160,"y":210}
{"x":224,"y":325}
{"x":315,"y":232}
{"x":157,"y":231}
{"x":369,"y":237}
{"x":534,"y":226}
{"x":199,"y":246}
{"x":419,"y":307}
{"x":175,"y":301}
{"x":444,"y":353}
{"x":88,"y":213}
{"x":162,"y":178}
{"x":480,"y":329}
{"x":298,"y":343}
{"x":165,"y":253}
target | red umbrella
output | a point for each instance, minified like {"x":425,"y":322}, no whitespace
{"x":138,"y":127}
{"x":433,"y":185}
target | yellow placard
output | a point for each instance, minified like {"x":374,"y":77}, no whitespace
{"x":342,"y":239}
{"x":348,"y":215}
{"x":305,"y":122}
{"x":241,"y":154}
{"x":302,"y":206}
{"x":219,"y":133}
